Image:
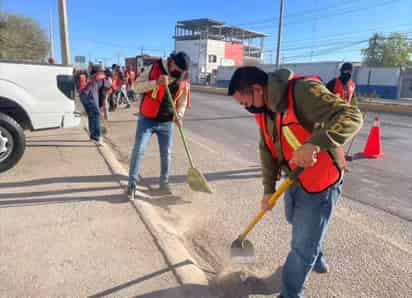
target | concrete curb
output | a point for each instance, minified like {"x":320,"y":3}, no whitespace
{"x":166,"y":236}
{"x":387,"y":107}
{"x":396,"y":108}
{"x":183,"y":265}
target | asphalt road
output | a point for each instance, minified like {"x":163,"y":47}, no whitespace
{"x":384,"y":183}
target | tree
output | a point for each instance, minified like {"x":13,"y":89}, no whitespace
{"x":392,"y":51}
{"x":22,"y":39}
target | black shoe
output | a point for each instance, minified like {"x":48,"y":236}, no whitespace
{"x":130,"y":190}
{"x":165,"y":188}
{"x":321,"y":266}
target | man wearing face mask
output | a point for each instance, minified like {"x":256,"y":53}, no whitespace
{"x":302,"y":124}
{"x":343,"y":85}
{"x":156,"y":112}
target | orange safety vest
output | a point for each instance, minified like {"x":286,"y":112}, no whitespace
{"x":116,"y":81}
{"x":153,"y":99}
{"x":132,"y":76}
{"x":82,"y":82}
{"x":339,"y":89}
{"x":292,"y":135}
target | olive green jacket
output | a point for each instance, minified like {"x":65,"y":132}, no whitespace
{"x":331,"y":121}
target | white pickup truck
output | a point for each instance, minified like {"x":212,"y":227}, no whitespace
{"x":32,"y":97}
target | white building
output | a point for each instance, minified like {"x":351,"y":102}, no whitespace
{"x":210,"y":44}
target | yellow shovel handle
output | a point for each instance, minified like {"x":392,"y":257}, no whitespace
{"x":272,"y":201}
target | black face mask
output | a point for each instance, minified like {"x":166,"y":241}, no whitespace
{"x":256,"y":110}
{"x":345,"y":77}
{"x":176,"y":74}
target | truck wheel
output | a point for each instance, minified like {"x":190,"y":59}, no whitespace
{"x":12,"y":142}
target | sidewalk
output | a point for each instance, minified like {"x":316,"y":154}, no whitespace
{"x":67,"y":229}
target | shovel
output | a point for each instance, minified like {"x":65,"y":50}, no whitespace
{"x":195,"y":179}
{"x":348,"y":155}
{"x":242,"y":250}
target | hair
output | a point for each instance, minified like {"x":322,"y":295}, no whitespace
{"x":244,"y":77}
{"x":346,"y":66}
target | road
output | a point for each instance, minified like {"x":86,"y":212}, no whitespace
{"x":369,"y":243}
{"x":384,"y":183}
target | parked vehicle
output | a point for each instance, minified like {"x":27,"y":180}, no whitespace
{"x":32,"y":97}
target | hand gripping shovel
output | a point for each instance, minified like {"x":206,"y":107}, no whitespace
{"x":242,"y":250}
{"x":195,"y":179}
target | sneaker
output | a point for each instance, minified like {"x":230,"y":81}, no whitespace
{"x":321,"y":266}
{"x":128,"y":106}
{"x":130,"y":190}
{"x":98,"y":142}
{"x":165,"y":188}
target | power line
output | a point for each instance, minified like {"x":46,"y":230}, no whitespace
{"x":270,"y":22}
{"x":328,"y":50}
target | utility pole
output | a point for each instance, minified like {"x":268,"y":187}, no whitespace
{"x":51,"y":38}
{"x":64,"y":34}
{"x":314,"y":33}
{"x":3,"y":16}
{"x":279,"y":34}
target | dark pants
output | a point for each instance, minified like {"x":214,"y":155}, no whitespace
{"x":93,"y":115}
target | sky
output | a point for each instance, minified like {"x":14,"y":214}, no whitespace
{"x":315,"y":30}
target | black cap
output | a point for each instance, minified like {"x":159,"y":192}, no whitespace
{"x":246,"y":76}
{"x":182,"y":60}
{"x":346,"y":66}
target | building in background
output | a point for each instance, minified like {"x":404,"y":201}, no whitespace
{"x":210,"y":44}
{"x":140,"y":61}
{"x":382,"y":82}
{"x":80,"y":63}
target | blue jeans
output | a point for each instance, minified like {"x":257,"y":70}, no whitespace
{"x":309,"y":215}
{"x":145,"y":128}
{"x":93,"y":116}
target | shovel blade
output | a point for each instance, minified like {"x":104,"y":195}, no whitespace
{"x":197,"y":182}
{"x":242,"y":251}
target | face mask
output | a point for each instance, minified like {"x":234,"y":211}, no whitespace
{"x":176,"y":74}
{"x":256,"y":110}
{"x":345,"y":77}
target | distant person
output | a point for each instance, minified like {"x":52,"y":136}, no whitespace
{"x":51,"y":60}
{"x":208,"y":79}
{"x":82,"y":79}
{"x":89,"y":97}
{"x":130,"y":80}
{"x":343,"y":86}
{"x":119,"y":82}
{"x":104,"y":93}
{"x":156,"y":113}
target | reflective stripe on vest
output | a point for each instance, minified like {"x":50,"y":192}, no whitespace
{"x":292,"y":135}
{"x":339,"y":89}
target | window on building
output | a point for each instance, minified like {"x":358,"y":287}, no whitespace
{"x":212,"y":58}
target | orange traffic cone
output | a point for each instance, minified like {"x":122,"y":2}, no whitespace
{"x":373,"y":148}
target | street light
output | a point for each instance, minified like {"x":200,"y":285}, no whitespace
{"x":3,"y":16}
